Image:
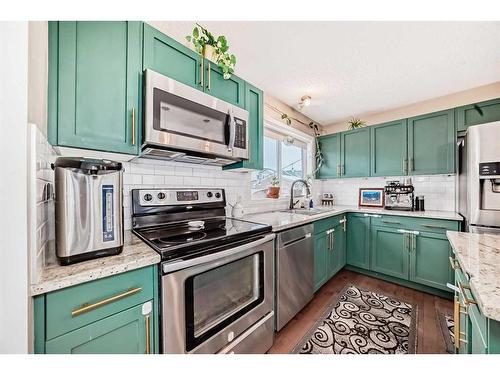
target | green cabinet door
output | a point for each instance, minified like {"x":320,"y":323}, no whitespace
{"x":388,"y":149}
{"x":122,"y":333}
{"x":478,"y":331}
{"x":338,"y":251}
{"x":320,"y":260}
{"x":95,"y":85}
{"x":357,"y":241}
{"x":230,"y":90}
{"x":330,"y":147}
{"x":431,"y":143}
{"x":355,"y":153}
{"x":254,"y":104}
{"x":429,"y":260}
{"x":389,"y":252}
{"x":170,"y":58}
{"x":479,"y":113}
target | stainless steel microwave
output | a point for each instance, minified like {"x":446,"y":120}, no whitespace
{"x":184,"y":124}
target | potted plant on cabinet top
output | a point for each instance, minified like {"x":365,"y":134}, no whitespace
{"x":355,"y":123}
{"x":214,"y":49}
{"x":274,"y":190}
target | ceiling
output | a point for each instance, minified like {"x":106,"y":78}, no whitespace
{"x":358,"y":68}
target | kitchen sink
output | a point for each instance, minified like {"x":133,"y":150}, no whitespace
{"x":304,"y":211}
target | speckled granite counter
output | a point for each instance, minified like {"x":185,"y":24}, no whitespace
{"x":479,"y":256}
{"x":135,"y":254}
{"x":284,"y":220}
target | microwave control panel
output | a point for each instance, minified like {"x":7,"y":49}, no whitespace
{"x":240,"y":136}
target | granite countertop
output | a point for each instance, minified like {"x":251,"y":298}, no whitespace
{"x":479,"y":256}
{"x":136,"y":254}
{"x":284,"y":220}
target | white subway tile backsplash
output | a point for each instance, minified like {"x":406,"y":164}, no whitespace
{"x":183,"y":171}
{"x":153,"y":180}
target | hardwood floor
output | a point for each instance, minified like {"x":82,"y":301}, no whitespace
{"x":429,"y":340}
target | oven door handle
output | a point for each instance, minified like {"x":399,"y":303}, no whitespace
{"x":181,"y":264}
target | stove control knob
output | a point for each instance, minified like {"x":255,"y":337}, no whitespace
{"x":217,"y":195}
{"x":210,"y":194}
{"x":161,"y":196}
{"x":148,"y":197}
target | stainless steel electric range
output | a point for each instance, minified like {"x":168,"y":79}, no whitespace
{"x":216,"y":272}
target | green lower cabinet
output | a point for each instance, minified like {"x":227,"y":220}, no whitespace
{"x":431,"y":143}
{"x":429,"y":260}
{"x":337,"y":252}
{"x":358,"y":240}
{"x":478,"y":322}
{"x":115,"y":314}
{"x":94,"y":91}
{"x":389,"y":252}
{"x":320,"y":260}
{"x":126,"y":332}
{"x":479,"y":113}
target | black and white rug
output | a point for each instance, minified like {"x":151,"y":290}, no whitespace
{"x":363,"y":322}
{"x":447,"y":325}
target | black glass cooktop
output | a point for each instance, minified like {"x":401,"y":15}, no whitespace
{"x":179,"y":240}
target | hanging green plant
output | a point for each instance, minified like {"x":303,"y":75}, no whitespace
{"x":319,"y":154}
{"x":213,"y":48}
{"x":355,"y":123}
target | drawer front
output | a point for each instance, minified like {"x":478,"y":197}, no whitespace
{"x":325,"y":224}
{"x":419,"y":224}
{"x":75,"y":307}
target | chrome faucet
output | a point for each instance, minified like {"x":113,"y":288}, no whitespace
{"x":292,"y":203}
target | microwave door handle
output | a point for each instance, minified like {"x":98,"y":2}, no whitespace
{"x":232,"y":130}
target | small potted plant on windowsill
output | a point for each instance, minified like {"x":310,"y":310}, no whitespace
{"x":274,"y":190}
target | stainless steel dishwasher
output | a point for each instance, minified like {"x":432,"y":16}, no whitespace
{"x":294,"y":272}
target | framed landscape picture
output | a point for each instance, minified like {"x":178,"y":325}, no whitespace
{"x":371,"y":197}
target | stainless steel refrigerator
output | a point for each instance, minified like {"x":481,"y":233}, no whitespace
{"x":479,"y":178}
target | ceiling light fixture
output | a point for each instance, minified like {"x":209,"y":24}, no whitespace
{"x":304,"y":102}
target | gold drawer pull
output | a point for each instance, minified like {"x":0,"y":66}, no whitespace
{"x":433,"y":226}
{"x":148,"y":335}
{"x":453,"y":263}
{"x":391,"y":222}
{"x":467,"y":301}
{"x":89,"y":307}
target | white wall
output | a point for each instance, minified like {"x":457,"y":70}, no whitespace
{"x":14,"y":302}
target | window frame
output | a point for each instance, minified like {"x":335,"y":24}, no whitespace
{"x":282,"y":131}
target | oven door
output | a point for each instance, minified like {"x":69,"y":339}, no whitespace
{"x":186,"y":119}
{"x":213,"y":299}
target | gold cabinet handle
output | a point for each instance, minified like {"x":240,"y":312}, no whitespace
{"x":202,"y":71}
{"x":209,"y":73}
{"x":148,"y":334}
{"x":133,"y":126}
{"x":342,"y":171}
{"x":467,"y":300}
{"x":338,"y":170}
{"x":453,"y":263}
{"x":410,"y":167}
{"x":391,"y":222}
{"x":433,"y":226}
{"x":332,"y":238}
{"x":456,"y":318}
{"x":89,"y":307}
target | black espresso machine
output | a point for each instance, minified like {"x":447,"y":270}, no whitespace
{"x":399,"y":196}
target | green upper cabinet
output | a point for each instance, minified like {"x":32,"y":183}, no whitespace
{"x":330,"y":147}
{"x":254,"y":104}
{"x":123,"y":333}
{"x":355,"y":153}
{"x":429,"y":260}
{"x":358,"y":240}
{"x":170,"y":58}
{"x":388,"y":149}
{"x":95,"y":85}
{"x":478,"y":113}
{"x":389,"y":251}
{"x":230,"y":90}
{"x":431,"y":143}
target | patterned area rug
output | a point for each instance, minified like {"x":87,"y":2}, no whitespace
{"x":363,"y":322}
{"x":446,"y":323}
